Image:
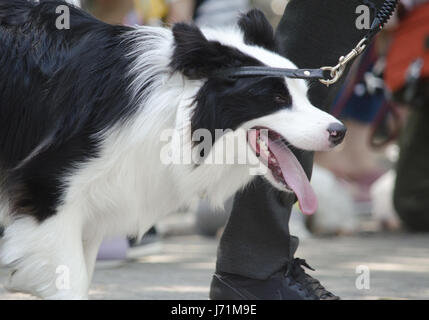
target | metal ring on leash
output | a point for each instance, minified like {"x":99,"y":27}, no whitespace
{"x":383,"y":15}
{"x":337,"y":71}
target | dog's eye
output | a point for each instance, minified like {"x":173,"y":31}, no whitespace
{"x":281,"y":99}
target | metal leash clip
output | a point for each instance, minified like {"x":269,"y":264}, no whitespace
{"x":337,"y":71}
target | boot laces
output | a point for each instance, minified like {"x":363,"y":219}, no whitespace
{"x":296,"y":272}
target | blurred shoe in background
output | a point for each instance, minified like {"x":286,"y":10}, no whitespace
{"x":112,"y":253}
{"x":151,"y":243}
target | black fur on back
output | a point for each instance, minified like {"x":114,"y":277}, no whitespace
{"x":58,"y":88}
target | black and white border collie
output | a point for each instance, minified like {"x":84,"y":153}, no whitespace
{"x":82,"y":111}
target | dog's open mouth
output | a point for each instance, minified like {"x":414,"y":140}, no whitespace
{"x":272,"y":149}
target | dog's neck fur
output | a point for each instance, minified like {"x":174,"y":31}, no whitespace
{"x":130,"y":162}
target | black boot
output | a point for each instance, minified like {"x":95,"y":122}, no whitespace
{"x":290,"y":283}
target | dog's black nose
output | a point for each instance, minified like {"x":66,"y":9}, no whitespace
{"x":337,"y":132}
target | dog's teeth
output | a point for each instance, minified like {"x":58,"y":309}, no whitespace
{"x":263,"y":145}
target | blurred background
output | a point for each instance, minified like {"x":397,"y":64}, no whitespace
{"x":156,"y":12}
{"x":376,"y":184}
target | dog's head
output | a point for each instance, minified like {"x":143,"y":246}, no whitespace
{"x":275,"y":111}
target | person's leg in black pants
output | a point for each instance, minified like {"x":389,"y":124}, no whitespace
{"x":411,"y":193}
{"x":255,"y":254}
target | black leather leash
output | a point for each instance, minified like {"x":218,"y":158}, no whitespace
{"x":242,"y":72}
{"x":326,"y":75}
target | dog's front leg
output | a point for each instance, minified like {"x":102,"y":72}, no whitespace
{"x":90,"y":248}
{"x":46,"y":259}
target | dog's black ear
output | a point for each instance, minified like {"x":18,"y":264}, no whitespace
{"x":257,"y":29}
{"x":196,"y":57}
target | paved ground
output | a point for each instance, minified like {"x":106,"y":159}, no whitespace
{"x":398,"y":264}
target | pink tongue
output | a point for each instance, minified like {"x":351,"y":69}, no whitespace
{"x":294,"y":175}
